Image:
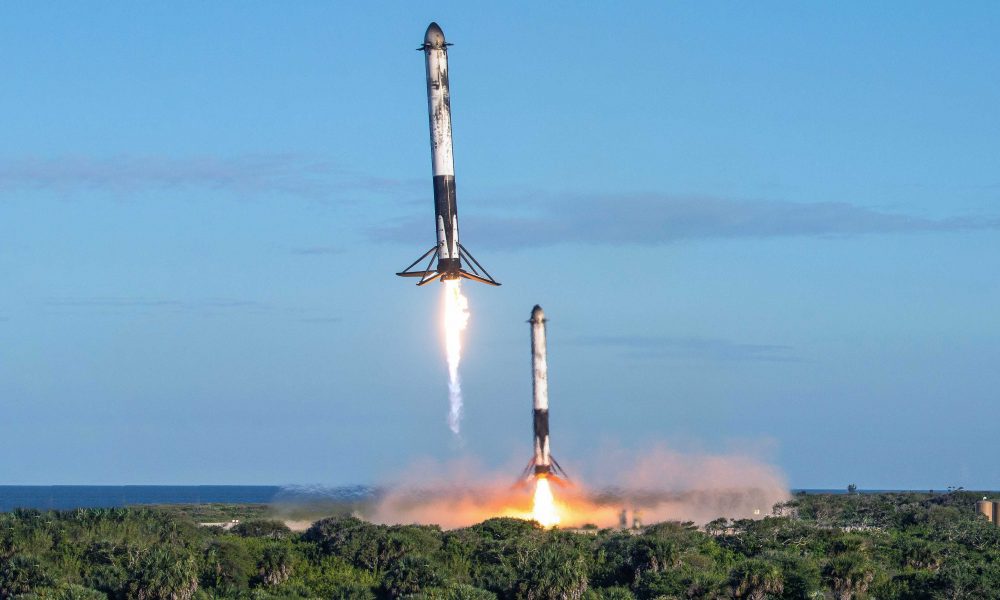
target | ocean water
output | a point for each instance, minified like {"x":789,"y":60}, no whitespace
{"x":66,"y":497}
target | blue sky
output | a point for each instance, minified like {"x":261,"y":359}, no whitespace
{"x":771,"y":226}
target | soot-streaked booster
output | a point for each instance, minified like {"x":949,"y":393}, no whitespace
{"x":453,"y":260}
{"x":542,"y":464}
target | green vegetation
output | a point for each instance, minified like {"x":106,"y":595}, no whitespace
{"x":884,"y":546}
{"x":215,"y":512}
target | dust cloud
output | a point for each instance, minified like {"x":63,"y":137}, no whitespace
{"x":659,"y":484}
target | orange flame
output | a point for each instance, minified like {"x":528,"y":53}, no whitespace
{"x":543,"y":506}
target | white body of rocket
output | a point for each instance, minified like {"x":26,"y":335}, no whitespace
{"x":450,"y":254}
{"x":540,"y":392}
{"x":442,"y":153}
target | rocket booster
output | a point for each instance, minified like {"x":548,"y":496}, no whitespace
{"x":449,"y":252}
{"x":540,"y":391}
{"x":442,"y":151}
{"x":542,"y":463}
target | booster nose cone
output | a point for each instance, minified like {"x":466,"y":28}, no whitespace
{"x":537,"y":314}
{"x":434,"y":36}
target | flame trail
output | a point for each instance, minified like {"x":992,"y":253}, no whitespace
{"x":456,"y":318}
{"x":543,"y":506}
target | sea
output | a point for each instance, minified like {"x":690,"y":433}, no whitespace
{"x":68,"y":497}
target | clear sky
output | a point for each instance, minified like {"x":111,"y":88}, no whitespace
{"x":752,"y":225}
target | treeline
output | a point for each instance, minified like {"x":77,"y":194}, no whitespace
{"x":885,"y":546}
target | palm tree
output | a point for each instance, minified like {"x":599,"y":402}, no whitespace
{"x":21,"y":574}
{"x":756,"y":579}
{"x":849,"y":575}
{"x":409,"y":575}
{"x":555,"y":572}
{"x":275,"y":565}
{"x":163,"y":574}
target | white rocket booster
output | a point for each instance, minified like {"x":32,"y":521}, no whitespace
{"x":542,"y":462}
{"x":540,"y":391}
{"x":450,"y":254}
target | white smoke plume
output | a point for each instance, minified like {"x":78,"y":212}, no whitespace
{"x":660,"y":483}
{"x":456,"y":319}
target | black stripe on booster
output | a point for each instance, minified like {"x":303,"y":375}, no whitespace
{"x":445,"y":205}
{"x":541,"y":424}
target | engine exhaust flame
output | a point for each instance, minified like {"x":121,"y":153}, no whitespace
{"x":456,"y":318}
{"x":543,"y":506}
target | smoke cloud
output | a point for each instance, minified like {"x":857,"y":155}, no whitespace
{"x":659,"y":484}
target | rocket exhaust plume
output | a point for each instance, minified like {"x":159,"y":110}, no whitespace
{"x":543,"y":505}
{"x":456,"y":319}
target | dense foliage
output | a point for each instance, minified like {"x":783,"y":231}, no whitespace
{"x":885,"y":546}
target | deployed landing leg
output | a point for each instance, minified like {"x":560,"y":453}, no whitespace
{"x":427,"y":275}
{"x":465,"y":258}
